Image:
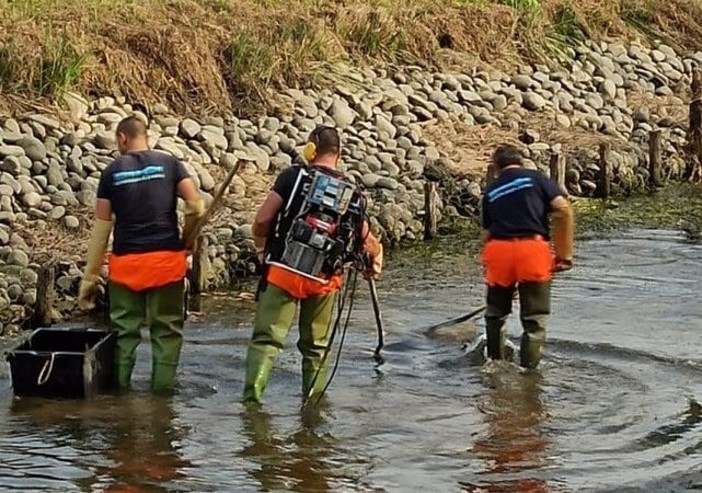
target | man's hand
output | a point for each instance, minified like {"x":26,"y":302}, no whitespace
{"x":561,"y":265}
{"x":87,"y":293}
{"x":374,"y":264}
{"x":260,"y":254}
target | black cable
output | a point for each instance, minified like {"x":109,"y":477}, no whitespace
{"x":343,"y":338}
{"x":341,"y":302}
{"x":358,"y":262}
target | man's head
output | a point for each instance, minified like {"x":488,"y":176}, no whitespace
{"x":506,"y":155}
{"x":323,"y":146}
{"x":131,"y":135}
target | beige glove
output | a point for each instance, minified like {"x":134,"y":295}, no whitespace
{"x":377,"y":265}
{"x":563,"y":227}
{"x":95,"y":258}
{"x":194,"y":210}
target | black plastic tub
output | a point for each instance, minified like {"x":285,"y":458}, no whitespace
{"x":68,"y":363}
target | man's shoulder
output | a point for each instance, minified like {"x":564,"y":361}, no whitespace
{"x":158,"y":157}
{"x":291,"y":170}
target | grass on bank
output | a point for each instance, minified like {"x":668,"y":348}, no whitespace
{"x":225,"y":55}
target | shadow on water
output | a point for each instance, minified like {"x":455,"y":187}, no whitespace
{"x":613,"y":408}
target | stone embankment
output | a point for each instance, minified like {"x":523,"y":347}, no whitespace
{"x":400,"y":126}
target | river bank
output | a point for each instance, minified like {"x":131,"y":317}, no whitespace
{"x":401,"y":126}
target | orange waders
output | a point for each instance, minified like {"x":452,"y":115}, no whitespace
{"x":525,"y":264}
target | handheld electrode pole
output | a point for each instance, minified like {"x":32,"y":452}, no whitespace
{"x":215,"y":203}
{"x":378,"y":320}
{"x":430,"y":330}
{"x":192,"y":236}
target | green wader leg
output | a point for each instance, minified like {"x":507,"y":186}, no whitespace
{"x":165,"y":316}
{"x":535,"y":301}
{"x":127,"y":314}
{"x":316,"y":315}
{"x":274,"y":316}
{"x":499,"y":306}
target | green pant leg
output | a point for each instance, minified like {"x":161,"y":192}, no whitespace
{"x":535,"y":301}
{"x":316,"y":314}
{"x":274,"y":316}
{"x":127,"y":314}
{"x":165,"y":313}
{"x":499,"y":306}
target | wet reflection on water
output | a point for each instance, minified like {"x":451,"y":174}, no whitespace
{"x":515,"y":445}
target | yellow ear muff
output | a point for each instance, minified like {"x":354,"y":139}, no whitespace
{"x":309,"y":152}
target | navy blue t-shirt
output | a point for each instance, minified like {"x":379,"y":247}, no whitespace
{"x":142,"y":187}
{"x":517,"y":204}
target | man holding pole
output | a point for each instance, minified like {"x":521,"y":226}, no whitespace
{"x":310,"y":224}
{"x":137,"y":195}
{"x":517,"y":253}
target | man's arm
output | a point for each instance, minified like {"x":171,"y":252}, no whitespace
{"x":264,"y":220}
{"x":563,"y":232}
{"x":374,"y":249}
{"x":97,"y":247}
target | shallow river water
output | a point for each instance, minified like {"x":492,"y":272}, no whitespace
{"x":614,"y":406}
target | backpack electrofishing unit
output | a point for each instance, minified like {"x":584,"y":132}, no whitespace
{"x":320,"y":228}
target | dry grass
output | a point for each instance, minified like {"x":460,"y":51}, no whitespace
{"x":470,"y":147}
{"x":231,"y":55}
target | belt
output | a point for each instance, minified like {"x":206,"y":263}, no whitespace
{"x":519,"y":238}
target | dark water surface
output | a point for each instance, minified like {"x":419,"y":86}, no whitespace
{"x":614,"y":406}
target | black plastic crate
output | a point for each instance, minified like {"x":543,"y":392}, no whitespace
{"x":72,"y":363}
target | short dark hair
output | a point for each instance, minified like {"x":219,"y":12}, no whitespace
{"x":507,"y":155}
{"x":132,"y":126}
{"x":326,"y":140}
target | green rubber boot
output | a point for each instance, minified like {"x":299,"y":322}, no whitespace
{"x":127,"y":314}
{"x":258,"y":370}
{"x":123,"y":375}
{"x":535,"y":302}
{"x":166,"y":320}
{"x":313,"y":378}
{"x":499,"y":306}
{"x":316,"y":314}
{"x":274,"y":316}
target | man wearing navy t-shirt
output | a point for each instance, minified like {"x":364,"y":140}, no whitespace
{"x":517,"y":251}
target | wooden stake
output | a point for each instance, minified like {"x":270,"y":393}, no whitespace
{"x":605,"y":186}
{"x":430,"y":211}
{"x":654,"y":159}
{"x":215,"y":203}
{"x":200,"y":271}
{"x":694,"y":133}
{"x":44,"y":306}
{"x":557,"y":166}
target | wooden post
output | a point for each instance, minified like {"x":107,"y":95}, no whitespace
{"x":694,"y":133}
{"x":654,"y":158}
{"x":430,"y":210}
{"x":200,"y":268}
{"x":557,"y":167}
{"x":604,"y":187}
{"x":44,"y":305}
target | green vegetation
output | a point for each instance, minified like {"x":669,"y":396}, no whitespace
{"x":228,"y":54}
{"x":676,"y":207}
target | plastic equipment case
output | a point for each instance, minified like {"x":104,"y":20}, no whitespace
{"x":72,"y":363}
